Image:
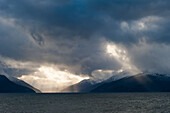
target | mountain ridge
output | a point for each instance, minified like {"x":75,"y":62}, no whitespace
{"x":7,"y":86}
{"x":138,"y":83}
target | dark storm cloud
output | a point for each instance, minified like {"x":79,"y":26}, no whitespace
{"x":130,"y":9}
{"x":82,"y":18}
{"x":71,"y":32}
{"x":71,"y":19}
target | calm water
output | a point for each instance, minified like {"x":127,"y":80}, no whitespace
{"x":85,"y":103}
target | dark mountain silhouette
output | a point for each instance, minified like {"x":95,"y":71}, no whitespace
{"x":89,"y":84}
{"x":83,"y":86}
{"x":137,"y":83}
{"x":22,"y":83}
{"x":7,"y":86}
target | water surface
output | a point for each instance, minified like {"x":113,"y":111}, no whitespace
{"x":85,"y":103}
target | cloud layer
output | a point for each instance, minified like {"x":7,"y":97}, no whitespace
{"x":73,"y":35}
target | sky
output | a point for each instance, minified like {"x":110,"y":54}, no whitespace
{"x":52,"y":44}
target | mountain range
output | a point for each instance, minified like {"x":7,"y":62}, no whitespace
{"x":137,"y":83}
{"x":143,"y":82}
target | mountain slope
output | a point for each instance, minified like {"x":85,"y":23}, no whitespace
{"x":90,"y":84}
{"x":83,"y":86}
{"x":137,"y":83}
{"x":7,"y":86}
{"x":22,"y":83}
